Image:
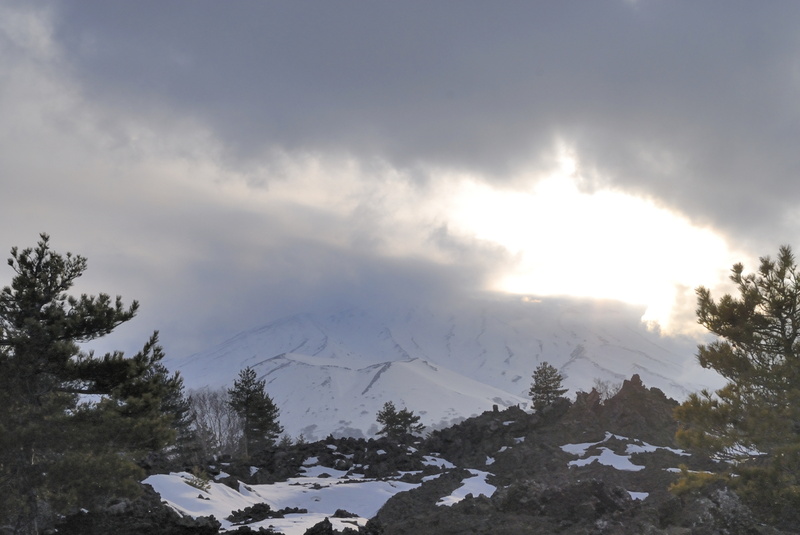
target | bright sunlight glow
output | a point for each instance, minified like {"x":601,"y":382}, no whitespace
{"x":602,"y":245}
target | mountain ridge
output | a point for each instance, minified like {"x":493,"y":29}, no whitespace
{"x":495,"y":342}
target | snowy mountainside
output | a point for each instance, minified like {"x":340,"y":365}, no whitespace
{"x":344,"y":401}
{"x":331,"y":372}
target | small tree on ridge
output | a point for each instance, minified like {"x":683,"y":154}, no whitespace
{"x":546,"y":387}
{"x":396,"y":423}
{"x":258,"y":412}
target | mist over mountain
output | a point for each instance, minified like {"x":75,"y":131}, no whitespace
{"x":330,"y":372}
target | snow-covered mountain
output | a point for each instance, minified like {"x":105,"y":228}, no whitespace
{"x":331,"y":372}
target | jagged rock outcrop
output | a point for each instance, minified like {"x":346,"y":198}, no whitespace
{"x":635,"y":410}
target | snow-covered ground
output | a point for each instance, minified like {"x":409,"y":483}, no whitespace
{"x":475,"y":485}
{"x":320,"y":490}
{"x":320,"y":496}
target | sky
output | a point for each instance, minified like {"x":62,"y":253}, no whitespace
{"x":230,"y":163}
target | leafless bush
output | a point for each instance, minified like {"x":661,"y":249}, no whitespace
{"x":606,"y":389}
{"x":219,"y":429}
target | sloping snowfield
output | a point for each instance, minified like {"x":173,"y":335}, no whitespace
{"x":320,"y":490}
{"x":331,"y":373}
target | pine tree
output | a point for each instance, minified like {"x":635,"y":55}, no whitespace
{"x":72,"y":425}
{"x":187,"y":450}
{"x":546,"y":387}
{"x":397,"y":424}
{"x":258,"y":411}
{"x":754,"y":420}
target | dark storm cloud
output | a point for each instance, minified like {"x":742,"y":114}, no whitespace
{"x":695,"y":104}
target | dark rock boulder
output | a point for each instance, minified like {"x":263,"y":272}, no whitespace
{"x":322,"y":528}
{"x":580,"y":501}
{"x":326,"y":528}
{"x":147,"y":515}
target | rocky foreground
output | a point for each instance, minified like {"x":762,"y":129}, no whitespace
{"x":590,"y":467}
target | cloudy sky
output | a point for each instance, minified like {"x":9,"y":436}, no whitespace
{"x":228,"y":163}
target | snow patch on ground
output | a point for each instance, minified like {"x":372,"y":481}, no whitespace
{"x":320,"y":496}
{"x":475,"y":485}
{"x":430,"y":460}
{"x":609,"y":458}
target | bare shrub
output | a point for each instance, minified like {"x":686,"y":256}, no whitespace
{"x":218,"y":427}
{"x":606,"y":389}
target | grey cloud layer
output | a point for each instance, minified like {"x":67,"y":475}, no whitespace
{"x":695,"y":104}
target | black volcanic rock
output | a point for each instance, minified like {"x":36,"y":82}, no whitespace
{"x":146,"y":515}
{"x":542,"y":488}
{"x":326,"y":528}
{"x":634,"y":411}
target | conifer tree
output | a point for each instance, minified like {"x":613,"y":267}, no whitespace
{"x":187,"y":450}
{"x":258,"y":411}
{"x":546,"y":387}
{"x":72,"y":425}
{"x":754,"y":420}
{"x":396,"y":424}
